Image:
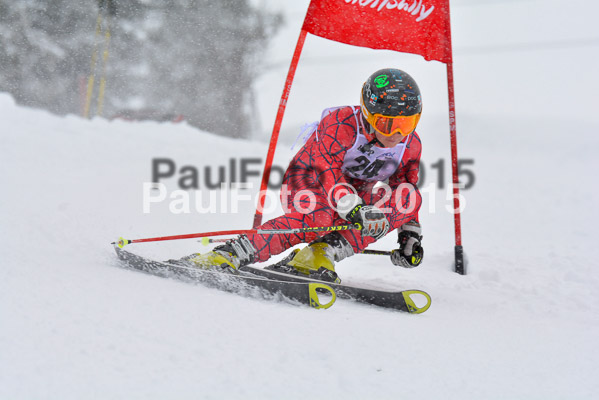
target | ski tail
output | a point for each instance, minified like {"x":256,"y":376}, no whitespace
{"x":320,"y":287}
{"x":411,"y":305}
{"x":313,"y":294}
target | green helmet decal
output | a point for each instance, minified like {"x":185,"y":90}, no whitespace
{"x":381,"y":81}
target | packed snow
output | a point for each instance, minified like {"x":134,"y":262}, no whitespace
{"x":523,"y":324}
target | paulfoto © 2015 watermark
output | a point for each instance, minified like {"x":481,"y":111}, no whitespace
{"x":234,"y":197}
{"x":190,"y":177}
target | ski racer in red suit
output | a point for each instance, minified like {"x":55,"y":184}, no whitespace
{"x":331,"y":181}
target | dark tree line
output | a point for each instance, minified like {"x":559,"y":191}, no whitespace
{"x":197,"y":58}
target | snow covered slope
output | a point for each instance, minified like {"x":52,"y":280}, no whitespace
{"x":522,"y":324}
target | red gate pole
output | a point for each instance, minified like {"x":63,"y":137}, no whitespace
{"x":277,"y":127}
{"x":459,"y":250}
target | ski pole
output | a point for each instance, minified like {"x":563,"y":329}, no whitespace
{"x":207,"y":240}
{"x":377,"y":252}
{"x":123,"y":242}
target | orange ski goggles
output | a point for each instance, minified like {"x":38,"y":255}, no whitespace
{"x":389,"y":126}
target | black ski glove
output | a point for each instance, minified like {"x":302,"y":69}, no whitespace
{"x":410,"y":252}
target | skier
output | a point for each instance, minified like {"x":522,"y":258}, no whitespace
{"x":331,"y":181}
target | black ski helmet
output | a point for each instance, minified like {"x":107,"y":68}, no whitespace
{"x":390,"y":92}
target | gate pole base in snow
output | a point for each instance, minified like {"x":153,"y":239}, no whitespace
{"x":460,"y":267}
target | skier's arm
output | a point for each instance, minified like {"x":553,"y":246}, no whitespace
{"x":408,"y":173}
{"x":334,"y":139}
{"x":406,"y":176}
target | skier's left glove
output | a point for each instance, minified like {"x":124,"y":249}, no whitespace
{"x":410,"y":252}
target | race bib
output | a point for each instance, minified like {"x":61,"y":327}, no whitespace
{"x":370,"y":163}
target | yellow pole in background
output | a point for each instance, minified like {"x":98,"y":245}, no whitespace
{"x":94,"y":60}
{"x":104,"y":62}
{"x":91,"y":78}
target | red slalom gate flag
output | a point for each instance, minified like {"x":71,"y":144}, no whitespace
{"x":409,"y":26}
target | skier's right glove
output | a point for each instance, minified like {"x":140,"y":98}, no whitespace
{"x":371,"y":218}
{"x":410,"y":252}
{"x":373,"y":221}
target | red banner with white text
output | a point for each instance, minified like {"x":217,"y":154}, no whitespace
{"x":409,"y":26}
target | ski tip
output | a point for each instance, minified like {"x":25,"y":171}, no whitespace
{"x":121,"y":242}
{"x":206,"y":241}
{"x":418,"y":294}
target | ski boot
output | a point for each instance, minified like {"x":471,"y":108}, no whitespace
{"x":227,"y":258}
{"x":317,"y":260}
